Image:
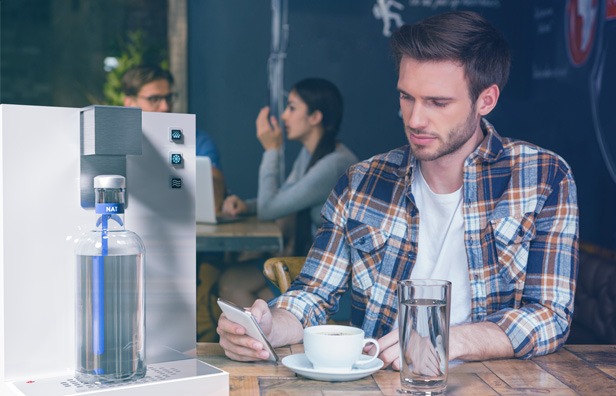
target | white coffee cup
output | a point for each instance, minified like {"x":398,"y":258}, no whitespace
{"x":336,"y":347}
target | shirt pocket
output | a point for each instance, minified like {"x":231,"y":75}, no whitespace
{"x":366,"y":244}
{"x":512,"y":236}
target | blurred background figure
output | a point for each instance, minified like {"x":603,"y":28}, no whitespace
{"x":312,"y":117}
{"x":151,"y":89}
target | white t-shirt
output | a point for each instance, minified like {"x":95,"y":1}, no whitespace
{"x":441,"y":253}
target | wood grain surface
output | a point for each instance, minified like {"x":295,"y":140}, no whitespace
{"x":573,"y":370}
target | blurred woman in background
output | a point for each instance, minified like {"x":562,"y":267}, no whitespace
{"x":312,"y":117}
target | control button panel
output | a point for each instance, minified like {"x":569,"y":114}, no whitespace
{"x":175,"y":156}
{"x":176,"y":159}
{"x":176,"y":135}
{"x":176,"y":182}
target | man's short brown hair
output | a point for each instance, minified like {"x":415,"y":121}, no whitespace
{"x":463,"y":37}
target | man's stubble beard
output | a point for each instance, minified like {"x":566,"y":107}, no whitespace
{"x":455,"y":139}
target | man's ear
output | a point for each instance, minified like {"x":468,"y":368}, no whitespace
{"x":487,"y":100}
{"x":316,"y":117}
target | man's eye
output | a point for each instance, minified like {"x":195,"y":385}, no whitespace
{"x":439,"y":104}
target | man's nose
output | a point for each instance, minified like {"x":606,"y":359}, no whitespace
{"x":418,"y":118}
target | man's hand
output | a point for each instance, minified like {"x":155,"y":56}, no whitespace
{"x":390,"y":351}
{"x":421,"y":354}
{"x":235,"y":342}
{"x":279,"y":326}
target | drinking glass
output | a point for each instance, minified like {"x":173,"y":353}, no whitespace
{"x":423,"y":325}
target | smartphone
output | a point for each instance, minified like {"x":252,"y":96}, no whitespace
{"x":239,"y":315}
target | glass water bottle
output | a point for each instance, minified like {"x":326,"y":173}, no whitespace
{"x":110,"y":306}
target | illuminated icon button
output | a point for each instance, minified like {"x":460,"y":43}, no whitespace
{"x":176,"y":159}
{"x":176,"y":182}
{"x":176,"y":134}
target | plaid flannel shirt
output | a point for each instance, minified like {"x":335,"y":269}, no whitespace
{"x":520,"y":233}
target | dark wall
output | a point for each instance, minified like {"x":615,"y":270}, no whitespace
{"x":557,"y":97}
{"x":229,"y":45}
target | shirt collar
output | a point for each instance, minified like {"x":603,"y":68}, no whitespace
{"x":491,"y":147}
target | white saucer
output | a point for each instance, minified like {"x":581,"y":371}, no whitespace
{"x":300,"y":364}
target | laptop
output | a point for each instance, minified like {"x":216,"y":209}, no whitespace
{"x":205,"y":209}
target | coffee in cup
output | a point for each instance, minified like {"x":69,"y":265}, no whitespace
{"x":336,"y":347}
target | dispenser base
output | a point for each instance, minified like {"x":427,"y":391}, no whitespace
{"x":182,"y":377}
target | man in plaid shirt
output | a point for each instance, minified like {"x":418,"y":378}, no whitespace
{"x":495,"y":216}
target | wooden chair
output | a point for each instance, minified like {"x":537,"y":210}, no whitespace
{"x":282,"y":270}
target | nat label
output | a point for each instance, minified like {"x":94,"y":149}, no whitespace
{"x":109,"y":208}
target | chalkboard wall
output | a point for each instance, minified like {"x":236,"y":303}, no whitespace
{"x":561,"y":94}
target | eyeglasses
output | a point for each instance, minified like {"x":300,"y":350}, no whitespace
{"x":155,"y":100}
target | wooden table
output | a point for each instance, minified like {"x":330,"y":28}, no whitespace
{"x":247,"y":234}
{"x":573,"y":370}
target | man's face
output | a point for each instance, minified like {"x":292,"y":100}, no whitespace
{"x":153,"y":96}
{"x":439,"y":117}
